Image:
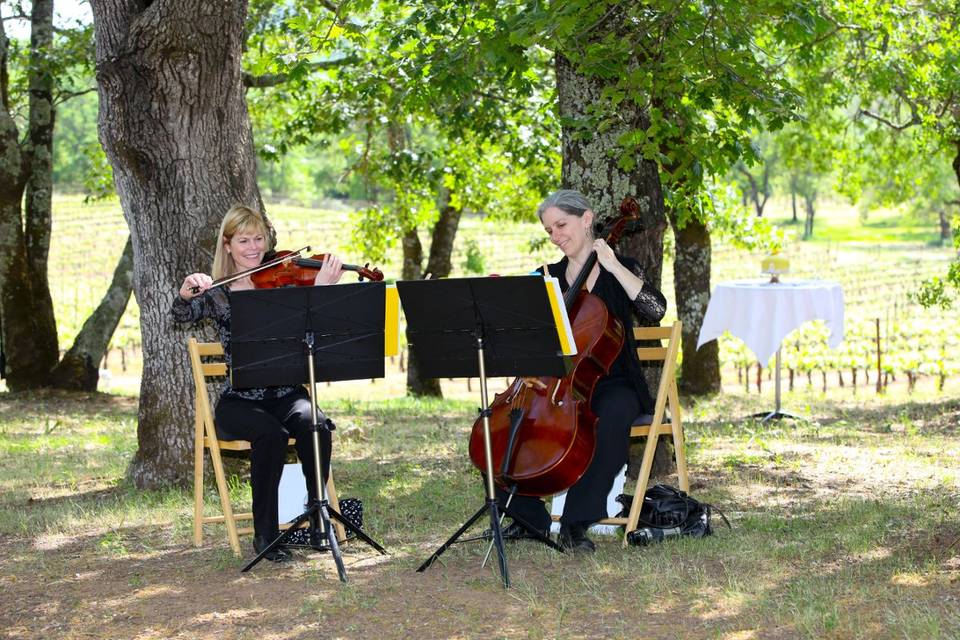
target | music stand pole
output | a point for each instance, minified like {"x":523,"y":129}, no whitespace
{"x":776,"y":414}
{"x":490,"y":505}
{"x":496,"y":532}
{"x":319,"y":510}
{"x":475,"y":327}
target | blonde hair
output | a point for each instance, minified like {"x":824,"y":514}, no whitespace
{"x":238,"y":219}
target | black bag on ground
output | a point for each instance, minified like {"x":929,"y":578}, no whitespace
{"x":350,"y":508}
{"x":667,"y":512}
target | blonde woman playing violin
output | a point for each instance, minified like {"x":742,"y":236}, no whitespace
{"x":266,"y":417}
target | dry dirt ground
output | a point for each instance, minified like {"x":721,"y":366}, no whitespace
{"x":146,"y":581}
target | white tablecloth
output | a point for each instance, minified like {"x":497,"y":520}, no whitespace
{"x":762,"y":314}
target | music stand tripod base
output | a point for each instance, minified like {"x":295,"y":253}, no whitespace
{"x":319,"y":510}
{"x":342,"y":328}
{"x":475,"y":327}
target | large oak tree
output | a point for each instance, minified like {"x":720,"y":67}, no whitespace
{"x":173,"y":122}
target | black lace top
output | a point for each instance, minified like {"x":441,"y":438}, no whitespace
{"x":215,"y":305}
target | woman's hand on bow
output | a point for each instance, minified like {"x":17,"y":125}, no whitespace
{"x":195,"y":284}
{"x":605,"y":255}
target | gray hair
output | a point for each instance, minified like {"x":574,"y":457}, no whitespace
{"x":567,"y":200}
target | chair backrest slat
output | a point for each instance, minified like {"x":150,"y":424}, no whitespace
{"x":209,"y":349}
{"x":652,"y":333}
{"x":214,"y":369}
{"x":651,"y":353}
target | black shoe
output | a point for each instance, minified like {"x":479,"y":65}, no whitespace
{"x":514,"y":531}
{"x":277,"y":554}
{"x":573,"y":537}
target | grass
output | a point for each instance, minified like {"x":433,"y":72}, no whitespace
{"x":845,"y":526}
{"x":838,"y":221}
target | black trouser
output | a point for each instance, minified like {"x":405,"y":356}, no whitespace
{"x":268,"y":424}
{"x":616,"y":405}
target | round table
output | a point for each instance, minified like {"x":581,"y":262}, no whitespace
{"x":762,"y":314}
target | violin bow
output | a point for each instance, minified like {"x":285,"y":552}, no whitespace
{"x":247,"y":272}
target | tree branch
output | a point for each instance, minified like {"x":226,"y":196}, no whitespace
{"x":63,"y":96}
{"x":897,"y":127}
{"x":330,"y":6}
{"x":274,"y":79}
{"x":18,"y":15}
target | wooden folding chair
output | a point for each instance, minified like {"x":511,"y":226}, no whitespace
{"x":659,"y":423}
{"x":205,"y":437}
{"x":652,"y":427}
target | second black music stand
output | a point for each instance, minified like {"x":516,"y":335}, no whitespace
{"x":296,"y":335}
{"x":480,"y":327}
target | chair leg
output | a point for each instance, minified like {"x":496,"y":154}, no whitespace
{"x":198,"y":491}
{"x":679,"y":445}
{"x":224,"y":491}
{"x":643,"y":478}
{"x":335,"y":503}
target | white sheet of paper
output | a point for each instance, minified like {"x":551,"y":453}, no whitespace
{"x":292,"y":496}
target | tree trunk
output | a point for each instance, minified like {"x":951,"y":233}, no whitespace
{"x":29,"y":325}
{"x":945,"y":232}
{"x":174,"y":124}
{"x":439,"y":265}
{"x":755,"y":191}
{"x":808,"y":201}
{"x":700,"y":368}
{"x":590,"y":167}
{"x":765,"y":190}
{"x":956,"y":161}
{"x":13,"y":178}
{"x":79,"y":369}
{"x":440,"y":262}
{"x":417,"y":385}
{"x":793,"y":199}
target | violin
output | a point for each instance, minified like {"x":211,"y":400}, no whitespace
{"x":288,"y":269}
{"x":542,"y":438}
{"x":295,"y":271}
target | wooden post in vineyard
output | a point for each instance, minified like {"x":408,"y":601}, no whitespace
{"x":879,"y":374}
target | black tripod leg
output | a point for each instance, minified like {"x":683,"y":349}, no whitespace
{"x":279,"y":540}
{"x":533,"y":531}
{"x":332,"y":539}
{"x":446,"y":545}
{"x":355,"y":530}
{"x":498,"y":542}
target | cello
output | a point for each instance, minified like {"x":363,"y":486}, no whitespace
{"x":543,"y":436}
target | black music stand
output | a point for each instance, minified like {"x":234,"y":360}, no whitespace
{"x":296,"y":335}
{"x":479,"y":327}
